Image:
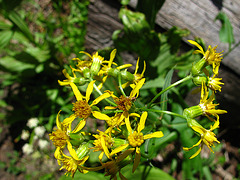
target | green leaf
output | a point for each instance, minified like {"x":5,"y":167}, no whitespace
{"x":152,"y":173}
{"x":164,"y":96}
{"x":226,"y":31}
{"x":19,"y":22}
{"x":10,"y":64}
{"x":150,"y":8}
{"x":5,"y":37}
{"x":5,"y":26}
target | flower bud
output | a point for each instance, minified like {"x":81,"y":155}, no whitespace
{"x":193,"y":123}
{"x":76,"y":138}
{"x":113,"y":72}
{"x":198,"y":67}
{"x":80,"y":81}
{"x":192,"y":112}
{"x":83,"y":150}
{"x":127,"y":75}
{"x":197,"y":80}
{"x":86,"y":73}
{"x":96,"y":64}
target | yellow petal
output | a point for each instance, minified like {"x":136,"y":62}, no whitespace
{"x":137,"y":87}
{"x":66,"y":74}
{"x":112,"y":56}
{"x":198,"y":129}
{"x":137,"y":159}
{"x":86,"y":54}
{"x":63,"y":83}
{"x":89,"y":90}
{"x":195,"y":145}
{"x":119,"y":149}
{"x":124,"y":66}
{"x":80,"y":125}
{"x":72,"y":151}
{"x":134,"y":114}
{"x":68,"y":120}
{"x":127,"y":122}
{"x":110,"y":107}
{"x":144,"y":68}
{"x":136,"y":69}
{"x":196,"y":44}
{"x":100,"y":98}
{"x":101,"y":116}
{"x":143,"y":118}
{"x":157,"y":134}
{"x":58,"y":122}
{"x":100,"y":156}
{"x":76,"y":92}
{"x":215,"y":126}
{"x":105,"y":149}
{"x":196,"y":153}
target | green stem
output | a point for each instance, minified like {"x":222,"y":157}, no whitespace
{"x":165,"y":112}
{"x":169,"y":87}
{"x":120,"y":84}
{"x":100,"y":93}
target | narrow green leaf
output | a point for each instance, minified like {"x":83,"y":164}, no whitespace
{"x":19,"y":22}
{"x":5,"y":26}
{"x":5,"y":37}
{"x":226,"y":31}
{"x":164,"y":96}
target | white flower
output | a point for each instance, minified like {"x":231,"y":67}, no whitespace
{"x":39,"y":131}
{"x":32,"y":122}
{"x":25,"y":135}
{"x":27,"y":149}
{"x":43,"y":144}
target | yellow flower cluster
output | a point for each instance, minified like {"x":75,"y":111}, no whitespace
{"x":206,"y":107}
{"x":119,"y":143}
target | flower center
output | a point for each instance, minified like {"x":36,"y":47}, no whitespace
{"x":82,"y":109}
{"x":123,"y":103}
{"x":59,"y":138}
{"x":135,"y":139}
{"x":98,"y":142}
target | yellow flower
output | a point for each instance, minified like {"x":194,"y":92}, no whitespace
{"x":207,"y":137}
{"x":107,"y":70}
{"x":72,"y":163}
{"x":207,"y":106}
{"x":137,"y":76}
{"x":125,"y":103}
{"x":214,"y":83}
{"x":81,"y":107}
{"x":60,"y":136}
{"x":103,"y":143}
{"x":211,"y":56}
{"x":136,"y":139}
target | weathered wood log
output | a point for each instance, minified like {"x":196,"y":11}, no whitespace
{"x":199,"y":18}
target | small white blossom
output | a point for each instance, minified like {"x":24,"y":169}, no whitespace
{"x":32,"y":122}
{"x":25,"y":135}
{"x":39,"y":131}
{"x":43,"y":144}
{"x":27,"y":149}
